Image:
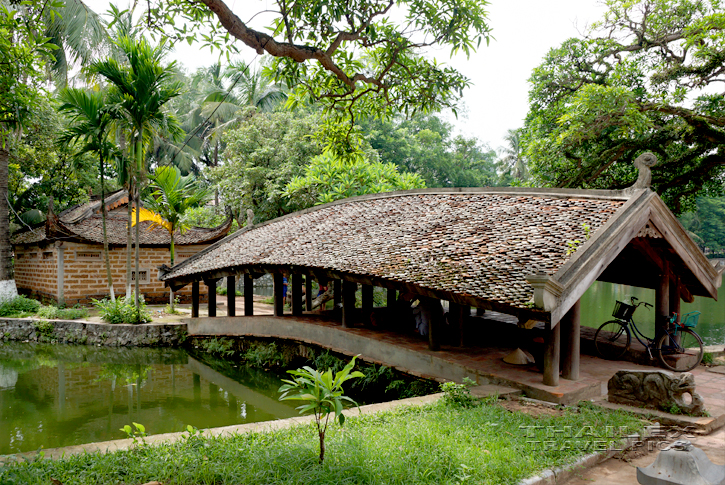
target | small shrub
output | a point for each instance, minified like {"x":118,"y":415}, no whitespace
{"x":55,"y":313}
{"x":459,"y":394}
{"x":672,"y":408}
{"x":44,"y":328}
{"x":707,"y":358}
{"x":218,"y":346}
{"x":19,"y":306}
{"x":122,"y":311}
{"x":173,"y":311}
{"x":265,"y":355}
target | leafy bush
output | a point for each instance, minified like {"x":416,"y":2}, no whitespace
{"x":459,"y":394}
{"x":122,"y":311}
{"x":222,"y":290}
{"x":265,"y":355}
{"x":19,"y":306}
{"x":218,"y":346}
{"x":55,"y":313}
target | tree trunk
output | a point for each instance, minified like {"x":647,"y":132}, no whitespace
{"x":105,"y":234}
{"x":323,"y":298}
{"x":7,"y":284}
{"x":171,"y":290}
{"x":129,"y":242}
{"x":137,"y":190}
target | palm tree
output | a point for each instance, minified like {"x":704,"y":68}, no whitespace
{"x":172,"y":196}
{"x":140,"y":89}
{"x":91,"y":120}
{"x":513,"y":157}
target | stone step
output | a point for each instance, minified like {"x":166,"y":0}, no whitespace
{"x":486,"y":390}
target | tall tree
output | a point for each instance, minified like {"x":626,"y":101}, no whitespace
{"x":91,"y":119}
{"x":172,"y":195}
{"x":358,"y":59}
{"x":648,"y":77}
{"x":22,"y":54}
{"x":512,"y":156}
{"x":140,"y":89}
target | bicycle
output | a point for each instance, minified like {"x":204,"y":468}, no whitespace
{"x":678,"y":345}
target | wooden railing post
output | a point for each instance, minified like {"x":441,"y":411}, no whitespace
{"x":195,"y":299}
{"x":248,"y":295}
{"x":231,"y":296}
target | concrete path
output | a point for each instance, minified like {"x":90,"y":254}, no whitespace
{"x":624,"y":472}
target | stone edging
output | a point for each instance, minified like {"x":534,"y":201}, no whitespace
{"x":561,"y":474}
{"x":92,"y":333}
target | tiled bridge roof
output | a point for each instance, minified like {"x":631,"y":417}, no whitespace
{"x":474,"y":245}
{"x":83,"y":223}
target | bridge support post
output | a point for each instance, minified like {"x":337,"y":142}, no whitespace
{"x":552,"y":350}
{"x":248,"y":295}
{"x":231,"y":296}
{"x":391,"y":298}
{"x":296,"y":294}
{"x":278,"y":290}
{"x":662,"y":300}
{"x":348,"y":303}
{"x":337,"y":292}
{"x":367,"y":302}
{"x":211,"y":285}
{"x":571,"y":342}
{"x":308,"y":293}
{"x":195,"y":299}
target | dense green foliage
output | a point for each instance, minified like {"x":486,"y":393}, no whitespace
{"x":645,"y":78}
{"x":433,"y":444}
{"x":327,"y":179}
{"x":707,"y":224}
{"x":262,"y":157}
{"x":122,"y":310}
{"x":19,"y":306}
{"x":425,"y":145}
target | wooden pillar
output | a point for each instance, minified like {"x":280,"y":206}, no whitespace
{"x":571,"y":343}
{"x":231,"y":296}
{"x":308,"y":293}
{"x":457,"y":315}
{"x":248,"y":295}
{"x":552,"y":350}
{"x":348,"y":303}
{"x":662,"y":300}
{"x":480,"y":312}
{"x":391,"y":298}
{"x":296,"y":294}
{"x":211,"y":286}
{"x":337,"y":292}
{"x":278,"y":290}
{"x":367,"y":302}
{"x":195,"y":299}
{"x":675,"y":299}
{"x":434,"y":326}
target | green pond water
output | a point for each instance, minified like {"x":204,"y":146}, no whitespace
{"x":61,"y":395}
{"x":598,"y":302}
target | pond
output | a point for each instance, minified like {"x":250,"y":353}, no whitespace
{"x":598,"y":302}
{"x":61,"y":395}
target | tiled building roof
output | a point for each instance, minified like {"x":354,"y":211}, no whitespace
{"x":478,"y":243}
{"x":84,"y":223}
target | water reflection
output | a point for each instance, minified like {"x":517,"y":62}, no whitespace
{"x":598,"y":303}
{"x":59,"y":395}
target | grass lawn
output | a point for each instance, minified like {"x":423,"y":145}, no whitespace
{"x":439,"y":443}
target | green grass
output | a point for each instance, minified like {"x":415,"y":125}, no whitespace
{"x":433,"y":444}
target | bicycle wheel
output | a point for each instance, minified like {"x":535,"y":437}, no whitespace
{"x":612,"y":340}
{"x":680,"y":356}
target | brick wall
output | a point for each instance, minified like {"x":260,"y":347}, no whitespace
{"x":85,"y":273}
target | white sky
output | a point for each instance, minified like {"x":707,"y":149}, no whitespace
{"x":524,"y":31}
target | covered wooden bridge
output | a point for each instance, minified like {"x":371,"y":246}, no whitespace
{"x":518,"y":251}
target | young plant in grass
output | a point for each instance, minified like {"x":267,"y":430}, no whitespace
{"x":321,"y":393}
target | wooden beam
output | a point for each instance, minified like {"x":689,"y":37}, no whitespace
{"x":480,"y":311}
{"x":296,"y":294}
{"x":552,"y":351}
{"x":571,"y":342}
{"x":278,"y":290}
{"x":675,"y":295}
{"x":248,"y":295}
{"x":231,"y":296}
{"x":195,"y":299}
{"x":348,"y":303}
{"x":211,"y":286}
{"x":308,"y":293}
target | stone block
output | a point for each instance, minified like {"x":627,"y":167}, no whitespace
{"x":656,"y":390}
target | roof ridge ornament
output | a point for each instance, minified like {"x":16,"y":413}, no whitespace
{"x":644,"y":163}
